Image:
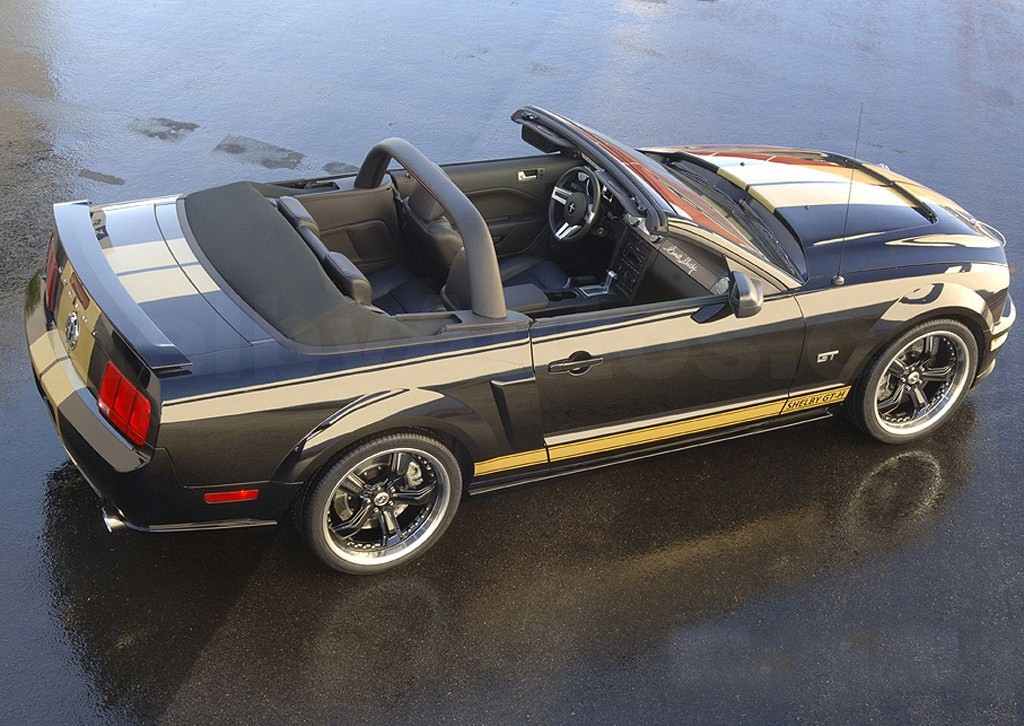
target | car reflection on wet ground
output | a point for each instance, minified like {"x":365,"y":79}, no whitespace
{"x":659,"y":574}
{"x":807,"y":573}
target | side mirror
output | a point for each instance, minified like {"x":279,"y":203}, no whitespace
{"x":746,"y":296}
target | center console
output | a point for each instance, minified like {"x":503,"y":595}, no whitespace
{"x":629,"y":263}
{"x":625,"y":271}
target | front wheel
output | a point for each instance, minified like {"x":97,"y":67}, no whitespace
{"x":916,"y":383}
{"x":382,"y":503}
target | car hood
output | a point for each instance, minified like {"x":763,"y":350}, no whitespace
{"x":885,"y":218}
{"x":812,"y":190}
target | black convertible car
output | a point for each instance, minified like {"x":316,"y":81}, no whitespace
{"x":364,"y":349}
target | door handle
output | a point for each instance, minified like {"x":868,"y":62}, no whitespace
{"x":575,"y":365}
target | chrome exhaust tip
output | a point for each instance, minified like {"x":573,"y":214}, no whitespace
{"x":112,"y":522}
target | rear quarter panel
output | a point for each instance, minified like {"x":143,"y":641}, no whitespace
{"x":245,"y":415}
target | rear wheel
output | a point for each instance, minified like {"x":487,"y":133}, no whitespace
{"x":916,"y":383}
{"x":382,"y":503}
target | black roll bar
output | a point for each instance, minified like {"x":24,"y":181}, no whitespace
{"x":486,"y":295}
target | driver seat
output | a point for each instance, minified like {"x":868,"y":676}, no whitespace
{"x":531,"y":270}
{"x":440,"y":243}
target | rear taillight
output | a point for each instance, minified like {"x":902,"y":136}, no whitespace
{"x":124,"y":405}
{"x":51,"y":272}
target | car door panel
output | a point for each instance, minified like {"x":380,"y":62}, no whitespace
{"x":511,"y":194}
{"x":359,"y":223}
{"x":659,"y":360}
{"x":515,"y":217}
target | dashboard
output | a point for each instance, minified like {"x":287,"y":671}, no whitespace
{"x":641,"y":271}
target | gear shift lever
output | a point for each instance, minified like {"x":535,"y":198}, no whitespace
{"x":602,"y":289}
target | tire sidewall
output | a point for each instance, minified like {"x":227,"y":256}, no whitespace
{"x":865,"y":412}
{"x":321,"y":487}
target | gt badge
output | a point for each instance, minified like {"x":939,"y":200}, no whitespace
{"x":71,"y":330}
{"x":827,"y":356}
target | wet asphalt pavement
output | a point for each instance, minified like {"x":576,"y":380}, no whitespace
{"x":807,"y":574}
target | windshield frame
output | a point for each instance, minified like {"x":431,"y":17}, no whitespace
{"x":648,"y":181}
{"x":747,"y":229}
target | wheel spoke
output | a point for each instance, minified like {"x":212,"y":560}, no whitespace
{"x":896,"y":368}
{"x":417,"y":497}
{"x":931,"y":348}
{"x":400,"y":461}
{"x":566,"y":230}
{"x":392,"y":533}
{"x":561,"y":195}
{"x":354,"y":523}
{"x":938,"y":374}
{"x":893,"y":401}
{"x":353,"y":484}
{"x":918,"y":398}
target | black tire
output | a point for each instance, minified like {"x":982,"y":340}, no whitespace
{"x":381,"y":503}
{"x":916,"y":382}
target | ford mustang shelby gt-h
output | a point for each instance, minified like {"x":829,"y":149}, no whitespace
{"x":365,"y":349}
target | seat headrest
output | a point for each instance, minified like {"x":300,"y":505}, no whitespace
{"x":425,"y":206}
{"x":297,"y":214}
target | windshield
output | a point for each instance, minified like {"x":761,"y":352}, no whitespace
{"x":710,"y":201}
{"x":684,"y":190}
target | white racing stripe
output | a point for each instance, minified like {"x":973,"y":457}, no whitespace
{"x":59,"y":379}
{"x":835,"y":192}
{"x":162,"y":284}
{"x":341,"y":385}
{"x":139,"y":257}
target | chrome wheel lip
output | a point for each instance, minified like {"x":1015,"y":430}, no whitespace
{"x":414,"y":539}
{"x":938,"y":406}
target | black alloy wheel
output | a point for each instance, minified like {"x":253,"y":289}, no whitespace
{"x":382,"y":503}
{"x":917,"y":382}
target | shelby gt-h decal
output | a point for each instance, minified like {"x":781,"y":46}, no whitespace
{"x":365,"y":349}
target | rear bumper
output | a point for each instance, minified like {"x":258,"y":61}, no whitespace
{"x":138,"y":487}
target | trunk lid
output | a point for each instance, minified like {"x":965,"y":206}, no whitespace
{"x":121,"y":282}
{"x":130,"y":303}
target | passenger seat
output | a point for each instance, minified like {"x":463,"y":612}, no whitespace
{"x":397,"y":290}
{"x":394,"y":289}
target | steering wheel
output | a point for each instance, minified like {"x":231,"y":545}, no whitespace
{"x":575,"y":202}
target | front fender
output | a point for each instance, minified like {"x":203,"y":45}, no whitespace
{"x":387,"y":411}
{"x":933,"y":300}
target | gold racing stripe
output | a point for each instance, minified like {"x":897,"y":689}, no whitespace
{"x":661,"y":432}
{"x":813,"y":194}
{"x":59,"y":379}
{"x":673,"y":430}
{"x":511,"y":461}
